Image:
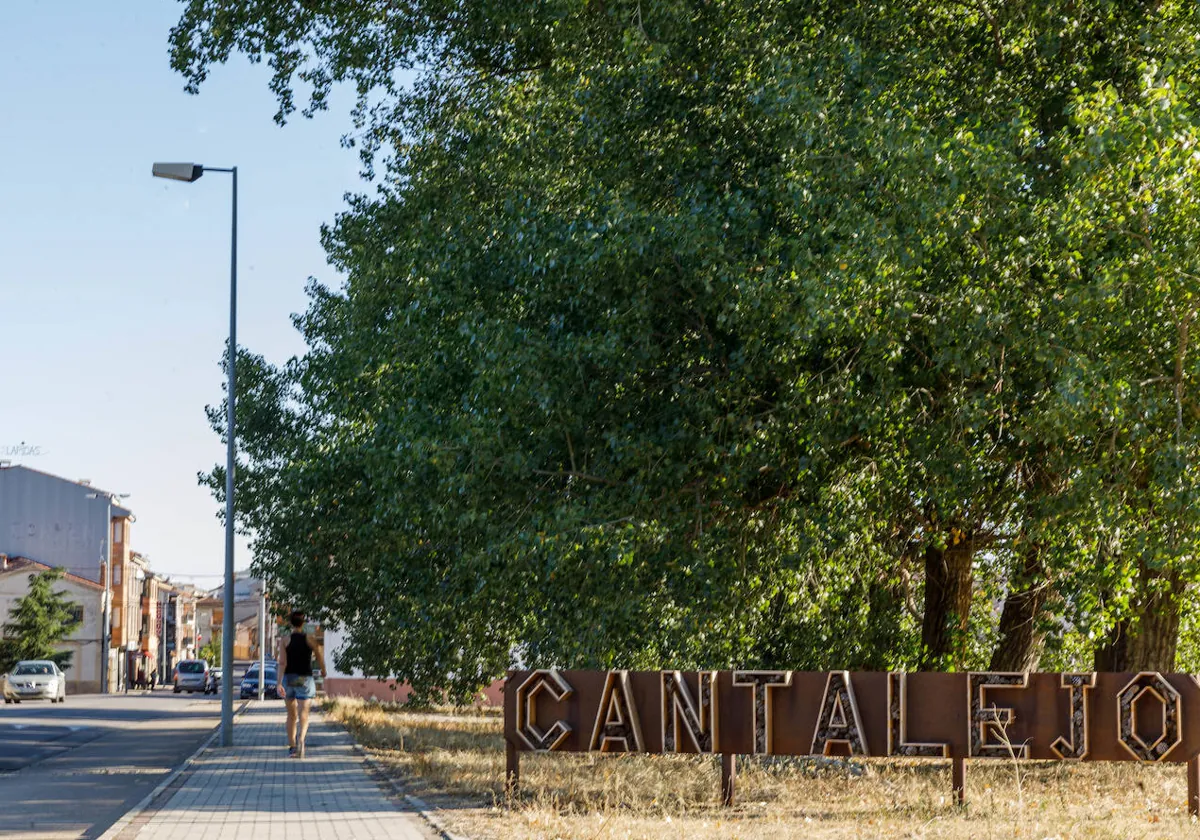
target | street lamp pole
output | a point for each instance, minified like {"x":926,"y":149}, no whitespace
{"x":191,"y":172}
{"x":262,"y":643}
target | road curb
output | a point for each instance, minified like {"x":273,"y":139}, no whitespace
{"x":397,"y":787}
{"x":114,"y":831}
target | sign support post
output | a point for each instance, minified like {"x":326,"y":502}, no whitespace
{"x":512,"y":768}
{"x":1193,"y":774}
{"x":728,"y":778}
{"x":958,"y":780}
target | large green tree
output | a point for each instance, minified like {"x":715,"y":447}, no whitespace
{"x":38,"y":623}
{"x":766,"y":332}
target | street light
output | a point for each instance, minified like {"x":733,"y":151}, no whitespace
{"x":190,"y":172}
{"x":106,"y":596}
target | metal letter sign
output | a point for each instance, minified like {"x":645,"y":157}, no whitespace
{"x":534,"y":737}
{"x":699,"y":720}
{"x":982,"y":716}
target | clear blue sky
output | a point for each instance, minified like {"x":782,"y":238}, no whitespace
{"x":113,"y":285}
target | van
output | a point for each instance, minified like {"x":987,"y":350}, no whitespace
{"x":191,"y":675}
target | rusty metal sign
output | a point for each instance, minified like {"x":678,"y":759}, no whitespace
{"x":1087,"y":716}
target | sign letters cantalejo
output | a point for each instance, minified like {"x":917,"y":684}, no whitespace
{"x":1089,"y":716}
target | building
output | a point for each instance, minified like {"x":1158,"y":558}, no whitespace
{"x":247,"y":592}
{"x":172,"y":625}
{"x":128,"y":623}
{"x":85,"y":641}
{"x":186,"y":598}
{"x":73,"y":526}
{"x":152,"y":617}
{"x":210,"y":615}
{"x":57,"y":521}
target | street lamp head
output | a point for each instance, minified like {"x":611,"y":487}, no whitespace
{"x":178,"y":171}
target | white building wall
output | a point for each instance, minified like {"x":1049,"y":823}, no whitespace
{"x":84,"y":674}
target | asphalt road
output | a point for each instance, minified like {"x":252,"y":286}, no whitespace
{"x":70,"y":771}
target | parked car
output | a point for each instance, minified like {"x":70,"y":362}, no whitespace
{"x":34,"y":679}
{"x":192,"y":675}
{"x":214,"y":680}
{"x":270,"y":684}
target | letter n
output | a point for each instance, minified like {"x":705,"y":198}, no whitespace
{"x":699,"y":720}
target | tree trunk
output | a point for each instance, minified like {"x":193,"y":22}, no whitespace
{"x":1021,"y":640}
{"x":1152,"y":647}
{"x":1149,"y":643}
{"x":947,"y":606}
{"x":1113,"y":655}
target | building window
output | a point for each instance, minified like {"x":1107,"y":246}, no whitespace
{"x":116,"y":619}
{"x":118,"y":530}
{"x":116,"y":574}
{"x":77,"y":614}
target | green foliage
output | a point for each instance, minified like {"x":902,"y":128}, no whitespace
{"x":38,"y":622}
{"x":693,"y":334}
{"x":210,"y":651}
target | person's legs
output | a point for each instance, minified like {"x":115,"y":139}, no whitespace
{"x":302,"y":729}
{"x":291,"y":721}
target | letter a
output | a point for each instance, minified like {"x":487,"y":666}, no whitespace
{"x":617,"y":725}
{"x":833,"y":726}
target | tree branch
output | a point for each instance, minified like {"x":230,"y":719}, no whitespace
{"x":597,"y":479}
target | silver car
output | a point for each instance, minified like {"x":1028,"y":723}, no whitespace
{"x":192,"y":675}
{"x":34,"y":679}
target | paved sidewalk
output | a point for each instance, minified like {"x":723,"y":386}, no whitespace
{"x":254,"y":791}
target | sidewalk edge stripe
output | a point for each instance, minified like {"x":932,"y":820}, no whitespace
{"x":432,"y":817}
{"x":397,"y":786}
{"x":129,"y":816}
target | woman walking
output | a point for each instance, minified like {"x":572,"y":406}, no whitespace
{"x":296,"y":664}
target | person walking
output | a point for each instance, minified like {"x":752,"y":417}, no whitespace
{"x":296,"y":664}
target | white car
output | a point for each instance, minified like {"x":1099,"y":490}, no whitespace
{"x":34,"y":679}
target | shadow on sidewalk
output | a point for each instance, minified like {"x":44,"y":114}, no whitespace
{"x":256,"y":777}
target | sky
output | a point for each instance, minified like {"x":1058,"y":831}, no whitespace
{"x":114,"y":286}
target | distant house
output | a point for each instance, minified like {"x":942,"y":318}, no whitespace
{"x":210,"y":615}
{"x":83,"y":675}
{"x":174,"y":623}
{"x":76,"y":527}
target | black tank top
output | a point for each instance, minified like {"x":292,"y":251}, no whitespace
{"x":299,"y":656}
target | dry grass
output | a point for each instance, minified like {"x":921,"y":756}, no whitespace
{"x":456,"y":761}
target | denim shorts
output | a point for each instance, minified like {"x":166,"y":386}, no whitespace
{"x":299,"y":687}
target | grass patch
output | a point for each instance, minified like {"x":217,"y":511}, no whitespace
{"x":455,"y":760}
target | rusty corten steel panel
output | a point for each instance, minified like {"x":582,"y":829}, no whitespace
{"x":1049,"y":715}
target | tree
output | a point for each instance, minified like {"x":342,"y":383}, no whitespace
{"x":38,"y":622}
{"x":762,"y":333}
{"x":211,"y":650}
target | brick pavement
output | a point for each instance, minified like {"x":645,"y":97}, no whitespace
{"x":254,"y":791}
